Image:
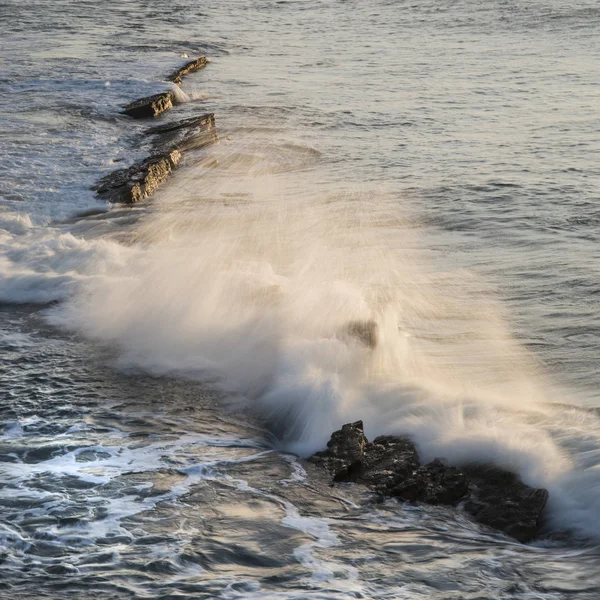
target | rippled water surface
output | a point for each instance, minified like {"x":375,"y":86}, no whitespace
{"x":431,"y":165}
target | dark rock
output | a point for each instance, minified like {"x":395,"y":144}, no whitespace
{"x":434,"y":483}
{"x":350,"y":457}
{"x":390,"y":466}
{"x":501,"y":500}
{"x":190,"y":67}
{"x":152,"y":106}
{"x":188,"y":134}
{"x":344,"y":451}
{"x":364,"y":331}
{"x":348,"y":443}
{"x":206,"y":120}
{"x":138,"y":181}
{"x":170,"y":140}
{"x":388,"y":459}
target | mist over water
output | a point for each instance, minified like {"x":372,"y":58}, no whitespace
{"x":436,"y":176}
{"x":250,"y":281}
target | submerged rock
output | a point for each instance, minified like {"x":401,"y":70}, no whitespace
{"x":152,"y":106}
{"x":364,"y":331}
{"x":138,"y":181}
{"x":189,"y":67}
{"x":390,"y":466}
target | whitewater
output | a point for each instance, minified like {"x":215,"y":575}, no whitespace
{"x":167,"y":366}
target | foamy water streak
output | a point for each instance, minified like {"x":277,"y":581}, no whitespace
{"x":252,"y":278}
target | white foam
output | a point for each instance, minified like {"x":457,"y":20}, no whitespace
{"x":40,"y":263}
{"x":180,"y":96}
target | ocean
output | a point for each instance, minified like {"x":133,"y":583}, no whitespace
{"x":167,"y":367}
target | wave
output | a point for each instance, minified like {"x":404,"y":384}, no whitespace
{"x":251,"y":280}
{"x":40,"y":263}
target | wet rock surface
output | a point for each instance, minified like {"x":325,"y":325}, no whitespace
{"x":189,"y":67}
{"x":501,"y":500}
{"x":390,"y":466}
{"x":186,"y":134}
{"x":171,"y":140}
{"x":149,"y":107}
{"x":433,"y":483}
{"x":138,"y":181}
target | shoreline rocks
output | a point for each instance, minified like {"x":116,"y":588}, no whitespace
{"x":142,"y":179}
{"x":390,"y":466}
{"x":150,"y":107}
{"x":189,"y":67}
{"x":139,"y":181}
{"x":187,"y":134}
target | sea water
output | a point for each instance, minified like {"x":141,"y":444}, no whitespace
{"x":430,"y":166}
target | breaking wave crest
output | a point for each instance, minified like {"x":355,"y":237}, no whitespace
{"x":257,"y":282}
{"x":251,"y":281}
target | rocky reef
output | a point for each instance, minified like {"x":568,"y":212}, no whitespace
{"x":138,"y":181}
{"x":171,"y":140}
{"x":150,"y":107}
{"x":187,"y":134}
{"x":390,"y":466}
{"x":189,"y":67}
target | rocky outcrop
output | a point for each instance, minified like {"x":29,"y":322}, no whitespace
{"x":189,"y":67}
{"x":139,"y":181}
{"x":390,"y":466}
{"x":187,"y":134}
{"x":152,"y":106}
{"x":501,"y":500}
{"x":171,"y":140}
{"x":433,"y":483}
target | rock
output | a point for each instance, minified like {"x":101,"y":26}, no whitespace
{"x":344,"y":451}
{"x":499,"y":499}
{"x":190,"y":67}
{"x":390,"y":466}
{"x":171,"y":139}
{"x":388,"y":459}
{"x":348,"y":443}
{"x":187,"y":134}
{"x":206,"y":120}
{"x":434,"y":483}
{"x":364,"y":331}
{"x":138,"y":181}
{"x":152,"y":106}
{"x":350,"y":457}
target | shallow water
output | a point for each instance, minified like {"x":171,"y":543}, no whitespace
{"x":432,"y":166}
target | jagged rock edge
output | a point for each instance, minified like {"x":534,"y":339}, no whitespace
{"x":391,"y":467}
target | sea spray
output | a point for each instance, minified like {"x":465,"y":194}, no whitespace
{"x":251,"y":279}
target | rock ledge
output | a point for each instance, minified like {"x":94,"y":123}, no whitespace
{"x":189,"y":67}
{"x":152,"y":106}
{"x":390,"y":466}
